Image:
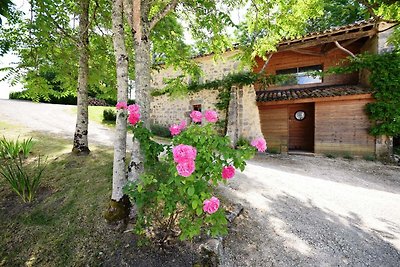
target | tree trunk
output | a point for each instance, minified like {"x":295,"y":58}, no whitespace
{"x":121,"y":58}
{"x":142,"y":82}
{"x":81,"y":146}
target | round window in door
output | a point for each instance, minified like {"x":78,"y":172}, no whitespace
{"x":300,"y":115}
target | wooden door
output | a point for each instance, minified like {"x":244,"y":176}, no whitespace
{"x":301,"y":127}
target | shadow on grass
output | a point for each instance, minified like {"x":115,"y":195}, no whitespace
{"x":64,"y":225}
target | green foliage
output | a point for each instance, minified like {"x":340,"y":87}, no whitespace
{"x":330,"y":155}
{"x":23,"y":180}
{"x":385,"y":82}
{"x":370,"y":157}
{"x":242,"y":142}
{"x":169,"y":203}
{"x":109,"y":115}
{"x":47,"y":45}
{"x":160,"y":130}
{"x":13,"y":149}
{"x":348,"y":156}
{"x":338,"y":13}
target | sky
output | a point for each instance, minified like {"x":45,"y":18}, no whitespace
{"x":8,"y":59}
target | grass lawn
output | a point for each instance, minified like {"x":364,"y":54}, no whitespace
{"x":64,"y":225}
{"x":95,"y":113}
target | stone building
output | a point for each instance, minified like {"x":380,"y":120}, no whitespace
{"x":308,"y":113}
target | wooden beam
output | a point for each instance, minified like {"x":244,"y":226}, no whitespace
{"x":316,"y":99}
{"x":307,"y":52}
{"x":328,"y":39}
{"x":344,"y":44}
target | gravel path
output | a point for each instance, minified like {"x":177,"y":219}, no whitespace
{"x":52,"y":118}
{"x":298,"y":211}
{"x":305,"y":211}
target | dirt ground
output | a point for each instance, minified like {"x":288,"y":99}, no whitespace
{"x":314,"y":211}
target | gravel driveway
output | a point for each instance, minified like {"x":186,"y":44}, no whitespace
{"x":51,"y":118}
{"x":306,"y":211}
{"x":298,"y":211}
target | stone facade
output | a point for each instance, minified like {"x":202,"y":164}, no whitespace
{"x":243,"y":115}
{"x":212,"y":70}
{"x":166,"y":110}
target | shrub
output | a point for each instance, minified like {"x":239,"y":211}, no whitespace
{"x":369,"y":157}
{"x":12,"y":149}
{"x":330,"y":155}
{"x":175,"y":195}
{"x":242,"y":142}
{"x":23,"y":180}
{"x":109,"y":115}
{"x":348,"y":156}
{"x":160,"y":130}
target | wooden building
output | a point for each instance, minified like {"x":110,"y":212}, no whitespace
{"x":324,"y":115}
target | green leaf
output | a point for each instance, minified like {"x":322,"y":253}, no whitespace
{"x":190,"y":191}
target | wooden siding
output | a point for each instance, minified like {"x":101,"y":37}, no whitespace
{"x":291,"y":59}
{"x":342,"y":127}
{"x":274,"y":126}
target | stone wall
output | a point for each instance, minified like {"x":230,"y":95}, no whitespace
{"x":212,"y":70}
{"x":166,"y":110}
{"x":243,"y":115}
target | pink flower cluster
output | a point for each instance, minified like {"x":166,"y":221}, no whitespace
{"x":196,"y":116}
{"x":211,"y":205}
{"x":134,"y":111}
{"x":122,"y":105}
{"x":228,"y":172}
{"x":209,"y":115}
{"x":260,"y":144}
{"x":134,"y":114}
{"x":184,"y":155}
{"x":176,"y":129}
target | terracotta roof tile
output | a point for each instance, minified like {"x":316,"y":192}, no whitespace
{"x":314,"y":92}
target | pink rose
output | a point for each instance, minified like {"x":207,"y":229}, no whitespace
{"x":184,"y":153}
{"x":175,"y":129}
{"x":182,"y":125}
{"x":228,"y":172}
{"x":133,"y":118}
{"x":196,"y":116}
{"x":121,"y":105}
{"x":133,"y":108}
{"x":211,"y":116}
{"x":260,"y":144}
{"x":185,"y":168}
{"x":211,"y":205}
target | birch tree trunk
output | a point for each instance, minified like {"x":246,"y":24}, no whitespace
{"x":121,"y":58}
{"x":141,"y":42}
{"x":80,"y":145}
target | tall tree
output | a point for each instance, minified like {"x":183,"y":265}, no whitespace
{"x":81,"y":145}
{"x":145,"y":17}
{"x":121,"y":59}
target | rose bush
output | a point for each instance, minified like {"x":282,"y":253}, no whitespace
{"x":175,"y":196}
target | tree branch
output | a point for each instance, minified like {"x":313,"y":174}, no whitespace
{"x":370,"y":8}
{"x":344,"y":49}
{"x":265,"y":64}
{"x":168,"y":8}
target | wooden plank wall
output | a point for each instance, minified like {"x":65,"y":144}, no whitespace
{"x":290,"y":59}
{"x":342,"y":127}
{"x":274,"y":126}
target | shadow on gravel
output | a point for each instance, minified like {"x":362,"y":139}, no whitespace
{"x":296,"y":233}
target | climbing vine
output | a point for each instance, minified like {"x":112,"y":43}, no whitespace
{"x":384,"y":79}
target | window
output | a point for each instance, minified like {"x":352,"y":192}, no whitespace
{"x":300,"y":75}
{"x":197,"y":107}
